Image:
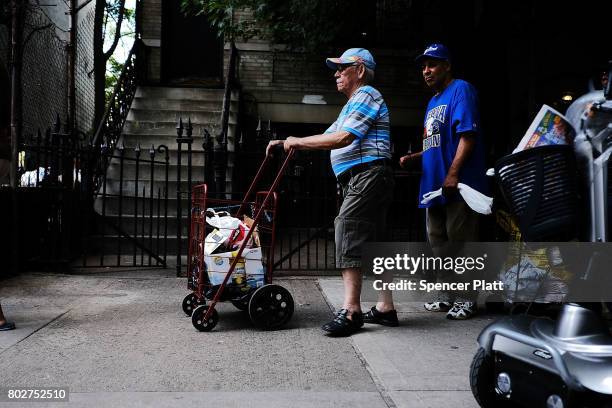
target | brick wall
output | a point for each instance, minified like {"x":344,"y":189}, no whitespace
{"x":272,"y":75}
{"x":151,"y":25}
{"x":280,"y":78}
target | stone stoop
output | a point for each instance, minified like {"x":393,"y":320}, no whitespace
{"x":152,"y":121}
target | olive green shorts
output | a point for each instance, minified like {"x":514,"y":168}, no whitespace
{"x":363,"y":213}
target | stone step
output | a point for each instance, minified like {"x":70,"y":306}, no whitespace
{"x":181,"y":105}
{"x":110,"y":260}
{"x":129,"y":185}
{"x":93,"y":261}
{"x":163,"y":115}
{"x":197,"y":94}
{"x":159,"y":170}
{"x":167,"y":125}
{"x":133,"y":225}
{"x":145,"y":140}
{"x":111,"y":204}
{"x":109,"y":244}
{"x":128,"y":203}
{"x":197,"y":157}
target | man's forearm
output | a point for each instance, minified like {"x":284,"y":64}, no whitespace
{"x":325,"y":141}
{"x":465,"y":148}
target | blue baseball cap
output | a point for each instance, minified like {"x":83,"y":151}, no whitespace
{"x":435,"y":50}
{"x":351,"y":56}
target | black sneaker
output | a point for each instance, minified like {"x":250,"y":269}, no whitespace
{"x":342,"y":325}
{"x":386,"y":319}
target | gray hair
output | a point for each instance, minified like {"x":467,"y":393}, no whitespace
{"x":369,"y":75}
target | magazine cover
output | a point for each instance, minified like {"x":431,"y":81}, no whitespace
{"x":549,"y":127}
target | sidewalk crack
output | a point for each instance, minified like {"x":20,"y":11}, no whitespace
{"x":37,"y":330}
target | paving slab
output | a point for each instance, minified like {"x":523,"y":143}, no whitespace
{"x":422,"y":363}
{"x":122,"y":338}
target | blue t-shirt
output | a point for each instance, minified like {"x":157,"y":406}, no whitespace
{"x":366,"y":116}
{"x":450,"y":113}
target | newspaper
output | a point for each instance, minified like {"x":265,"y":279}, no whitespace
{"x":548,"y":128}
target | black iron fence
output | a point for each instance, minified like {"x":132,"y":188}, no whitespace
{"x":309,"y":199}
{"x":46,"y":209}
{"x":136,"y":213}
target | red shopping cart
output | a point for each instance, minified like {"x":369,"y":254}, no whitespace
{"x":231,"y":252}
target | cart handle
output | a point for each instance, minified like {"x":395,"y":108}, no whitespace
{"x":258,"y":177}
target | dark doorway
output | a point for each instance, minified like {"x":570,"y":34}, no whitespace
{"x":192,"y":54}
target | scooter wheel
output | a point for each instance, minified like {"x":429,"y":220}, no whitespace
{"x":189,"y":303}
{"x":197,"y":319}
{"x":270,"y":307}
{"x":482,"y":380}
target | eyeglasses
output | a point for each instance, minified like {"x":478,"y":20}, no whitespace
{"x":341,"y":67}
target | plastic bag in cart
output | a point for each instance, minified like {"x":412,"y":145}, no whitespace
{"x":229,"y":232}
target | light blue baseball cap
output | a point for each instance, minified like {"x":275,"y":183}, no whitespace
{"x":351,"y":56}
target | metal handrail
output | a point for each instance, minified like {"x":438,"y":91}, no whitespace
{"x":123,"y":93}
{"x":230,"y":83}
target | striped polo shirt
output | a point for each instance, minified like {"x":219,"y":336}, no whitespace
{"x":366,"y":116}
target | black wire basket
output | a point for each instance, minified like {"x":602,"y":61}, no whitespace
{"x":540,"y":187}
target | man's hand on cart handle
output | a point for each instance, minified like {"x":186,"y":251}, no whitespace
{"x":287,"y":144}
{"x":272,"y":144}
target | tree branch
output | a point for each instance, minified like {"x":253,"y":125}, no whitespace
{"x":35,"y":30}
{"x":111,"y":50}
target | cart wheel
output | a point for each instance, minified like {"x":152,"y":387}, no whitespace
{"x":197,"y":318}
{"x":241,"y":304}
{"x":270,"y":307}
{"x":189,"y":303}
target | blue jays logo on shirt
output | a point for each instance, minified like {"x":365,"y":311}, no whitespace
{"x":435,"y":117}
{"x":437,"y":113}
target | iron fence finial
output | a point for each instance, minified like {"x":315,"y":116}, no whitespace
{"x":189,"y":127}
{"x":179,"y":128}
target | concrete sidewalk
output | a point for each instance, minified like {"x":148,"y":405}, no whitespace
{"x":423,"y":363}
{"x":121,"y":339}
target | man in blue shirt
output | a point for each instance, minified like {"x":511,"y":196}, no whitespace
{"x":360,"y":146}
{"x":453,"y":152}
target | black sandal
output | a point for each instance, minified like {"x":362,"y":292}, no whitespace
{"x":7,"y":326}
{"x":342,"y":325}
{"x":385,"y":318}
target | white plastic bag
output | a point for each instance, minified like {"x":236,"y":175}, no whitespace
{"x":221,"y":219}
{"x":473,"y":198}
{"x":224,"y":224}
{"x":215,"y":239}
{"x":229,"y":231}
